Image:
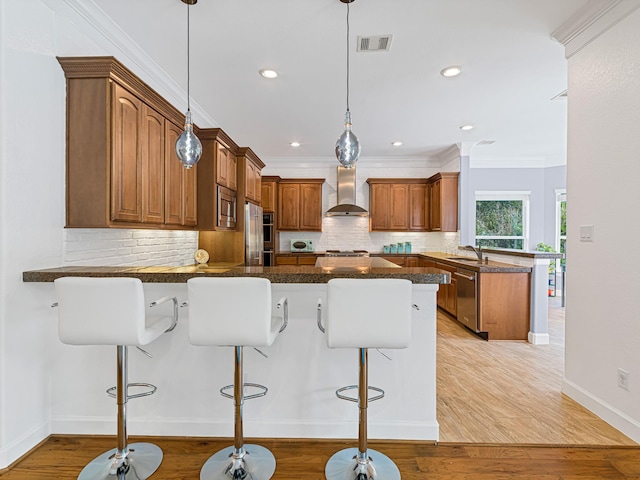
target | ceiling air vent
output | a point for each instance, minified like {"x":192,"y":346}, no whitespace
{"x":486,"y":142}
{"x":374,"y":43}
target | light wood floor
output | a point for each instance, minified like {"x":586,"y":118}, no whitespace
{"x":509,"y":392}
{"x":501,"y":415}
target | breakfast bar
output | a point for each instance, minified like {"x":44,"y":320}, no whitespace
{"x":301,"y":372}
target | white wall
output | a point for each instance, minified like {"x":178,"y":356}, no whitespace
{"x":348,"y":233}
{"x":602,"y":322}
{"x":32,"y":122}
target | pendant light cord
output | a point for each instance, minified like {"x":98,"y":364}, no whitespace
{"x":188,"y":60}
{"x":347,"y":57}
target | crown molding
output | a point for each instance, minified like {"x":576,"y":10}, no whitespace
{"x":86,"y":12}
{"x":591,"y":21}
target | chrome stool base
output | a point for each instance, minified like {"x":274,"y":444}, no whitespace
{"x":258,"y":463}
{"x":143,"y":460}
{"x":343,"y":466}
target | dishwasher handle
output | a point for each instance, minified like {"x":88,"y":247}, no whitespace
{"x":471,"y":278}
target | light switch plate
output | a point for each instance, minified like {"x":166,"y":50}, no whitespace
{"x":586,"y":233}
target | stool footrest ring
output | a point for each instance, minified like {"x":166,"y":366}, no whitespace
{"x":355,"y":399}
{"x":152,"y":389}
{"x":262,"y":393}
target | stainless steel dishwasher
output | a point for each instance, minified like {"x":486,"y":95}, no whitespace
{"x":467,"y":308}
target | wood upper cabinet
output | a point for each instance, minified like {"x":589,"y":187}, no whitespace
{"x":418,"y":211}
{"x":250,"y":167}
{"x":269,"y":193}
{"x":180,"y":185}
{"x":119,"y":156}
{"x":153,"y":166}
{"x":126,"y":167}
{"x":227,"y":167}
{"x":443,"y":202}
{"x":300,"y":204}
{"x":218,"y":164}
{"x":397,"y":204}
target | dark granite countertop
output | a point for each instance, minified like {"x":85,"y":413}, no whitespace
{"x":518,"y":253}
{"x":280,"y":274}
{"x":473,"y":264}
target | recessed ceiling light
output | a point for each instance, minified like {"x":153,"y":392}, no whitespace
{"x":396,"y":144}
{"x":466,"y":127}
{"x":451,"y":71}
{"x":267,"y":73}
{"x":295,"y":144}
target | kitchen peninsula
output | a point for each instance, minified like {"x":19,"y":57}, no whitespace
{"x":301,"y":372}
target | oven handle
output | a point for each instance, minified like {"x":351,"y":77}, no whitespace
{"x":471,"y":278}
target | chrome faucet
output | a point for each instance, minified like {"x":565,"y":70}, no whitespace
{"x":478,"y":251}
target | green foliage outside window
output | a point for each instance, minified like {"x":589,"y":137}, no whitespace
{"x":500,"y":218}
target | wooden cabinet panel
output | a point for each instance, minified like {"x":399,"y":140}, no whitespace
{"x":443,"y":202}
{"x":269,"y":188}
{"x":311,"y":206}
{"x":190,"y":196}
{"x":153,"y":156}
{"x":306,"y":260}
{"x":126,"y":168}
{"x":418,"y":212}
{"x":503,"y":305}
{"x":227,"y":171}
{"x":286,"y":260}
{"x":288,"y":206}
{"x":380,"y":203}
{"x":448,"y":292}
{"x":174,"y":213}
{"x":250,"y":166}
{"x":399,"y":215}
{"x":300,"y":205}
{"x":412,"y":261}
{"x":435,"y":212}
{"x":293,"y":259}
{"x":180,"y":185}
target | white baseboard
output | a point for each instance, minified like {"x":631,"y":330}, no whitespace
{"x":539,"y":338}
{"x":252,"y":428}
{"x":17,"y":448}
{"x":611,"y":415}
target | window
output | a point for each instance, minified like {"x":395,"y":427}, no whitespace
{"x":502,"y":219}
{"x":561,"y":223}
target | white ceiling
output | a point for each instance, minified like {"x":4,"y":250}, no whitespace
{"x":511,"y":71}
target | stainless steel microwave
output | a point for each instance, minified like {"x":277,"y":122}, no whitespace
{"x":227,"y":210}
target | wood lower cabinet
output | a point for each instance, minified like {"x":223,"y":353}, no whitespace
{"x":296,"y":259}
{"x":504,"y":305}
{"x":398,"y":205}
{"x":300,"y":205}
{"x":443,"y":202}
{"x":119,"y":152}
{"x":448,"y":292}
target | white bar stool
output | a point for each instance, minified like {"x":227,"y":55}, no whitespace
{"x":362,"y":314}
{"x":236,"y":312}
{"x":111,"y":311}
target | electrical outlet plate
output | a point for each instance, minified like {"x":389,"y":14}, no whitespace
{"x":623,"y":379}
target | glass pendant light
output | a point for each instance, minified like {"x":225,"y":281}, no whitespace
{"x":188,"y":146}
{"x":348,"y":146}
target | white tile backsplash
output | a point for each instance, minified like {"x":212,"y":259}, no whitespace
{"x":105,"y":246}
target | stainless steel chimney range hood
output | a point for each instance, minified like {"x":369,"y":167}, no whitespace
{"x":347,"y":195}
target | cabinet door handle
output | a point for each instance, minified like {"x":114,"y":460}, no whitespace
{"x":466,"y":277}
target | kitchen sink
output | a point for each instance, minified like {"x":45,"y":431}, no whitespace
{"x":463,"y":259}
